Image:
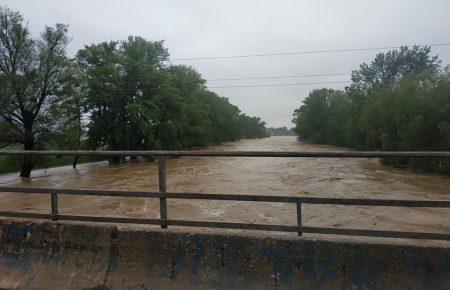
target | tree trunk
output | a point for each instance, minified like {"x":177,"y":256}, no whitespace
{"x":75,"y":161}
{"x":115,"y":159}
{"x":27,"y":166}
{"x":28,"y":144}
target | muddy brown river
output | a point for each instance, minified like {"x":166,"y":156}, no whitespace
{"x":315,"y":177}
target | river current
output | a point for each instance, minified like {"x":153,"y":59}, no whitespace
{"x":313,"y":177}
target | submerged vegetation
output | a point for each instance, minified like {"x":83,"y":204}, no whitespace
{"x":117,"y":95}
{"x":398,"y":102}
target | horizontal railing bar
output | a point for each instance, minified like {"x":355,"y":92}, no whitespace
{"x":242,"y":226}
{"x":234,"y":225}
{"x":15,"y":214}
{"x":312,"y":200}
{"x":233,"y":197}
{"x":105,"y":219}
{"x":80,"y":218}
{"x":315,"y":230}
{"x":206,"y":153}
{"x":377,"y":233}
{"x":70,"y":191}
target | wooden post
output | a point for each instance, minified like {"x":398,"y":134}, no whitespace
{"x":54,"y":200}
{"x":162,"y":190}
{"x":299,"y":217}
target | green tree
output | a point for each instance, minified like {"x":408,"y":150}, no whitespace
{"x":315,"y":120}
{"x":280,"y":131}
{"x":136,"y":102}
{"x":252,"y":127}
{"x":195,"y":128}
{"x":401,"y":101}
{"x":129,"y":95}
{"x":387,"y":69}
{"x":30,"y":76}
{"x":69,"y":110}
{"x":224,"y":117}
{"x":104,"y":99}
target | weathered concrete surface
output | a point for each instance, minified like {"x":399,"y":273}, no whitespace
{"x":73,"y":256}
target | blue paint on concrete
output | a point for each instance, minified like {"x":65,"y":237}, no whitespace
{"x":201,"y":266}
{"x":19,"y":260}
{"x":175,"y":263}
{"x":17,"y":235}
{"x":356,"y":274}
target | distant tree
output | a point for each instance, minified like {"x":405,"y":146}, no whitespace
{"x":194,"y":125}
{"x":224,"y":117}
{"x":312,"y":117}
{"x":252,"y":127}
{"x":30,"y":76}
{"x":280,"y":131}
{"x":387,"y":69}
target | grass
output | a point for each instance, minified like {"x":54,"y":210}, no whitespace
{"x":9,"y":164}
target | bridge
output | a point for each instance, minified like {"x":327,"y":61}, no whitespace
{"x":207,"y":260}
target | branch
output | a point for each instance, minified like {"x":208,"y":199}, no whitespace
{"x":4,"y":145}
{"x":7,"y":44}
{"x":11,"y":121}
{"x":15,"y":115}
{"x":5,"y":69}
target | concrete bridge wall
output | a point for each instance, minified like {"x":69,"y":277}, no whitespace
{"x":74,"y":256}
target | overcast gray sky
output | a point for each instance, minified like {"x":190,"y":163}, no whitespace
{"x":232,"y":27}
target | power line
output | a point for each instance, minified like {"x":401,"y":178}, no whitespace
{"x":278,"y":85}
{"x":278,"y":77}
{"x":210,"y":80}
{"x":259,"y":78}
{"x":302,"y":52}
{"x":216,"y":87}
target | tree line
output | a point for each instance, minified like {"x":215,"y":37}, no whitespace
{"x":398,"y":102}
{"x":280,"y":131}
{"x":117,"y":95}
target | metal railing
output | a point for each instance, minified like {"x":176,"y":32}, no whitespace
{"x":163,"y":195}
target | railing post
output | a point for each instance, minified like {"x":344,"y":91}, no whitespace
{"x":54,"y":199}
{"x":299,"y":217}
{"x":162,"y":190}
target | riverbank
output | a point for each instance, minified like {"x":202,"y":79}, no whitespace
{"x":13,"y":164}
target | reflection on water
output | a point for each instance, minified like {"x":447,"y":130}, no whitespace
{"x":324,"y":177}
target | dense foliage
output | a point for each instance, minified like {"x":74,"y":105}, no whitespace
{"x":280,"y":131}
{"x":400,"y":101}
{"x":118,"y":95}
{"x":135,"y":102}
{"x":31,"y":73}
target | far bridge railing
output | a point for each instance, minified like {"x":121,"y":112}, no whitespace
{"x":164,"y":221}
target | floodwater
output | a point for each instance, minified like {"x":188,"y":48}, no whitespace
{"x":312,"y":177}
